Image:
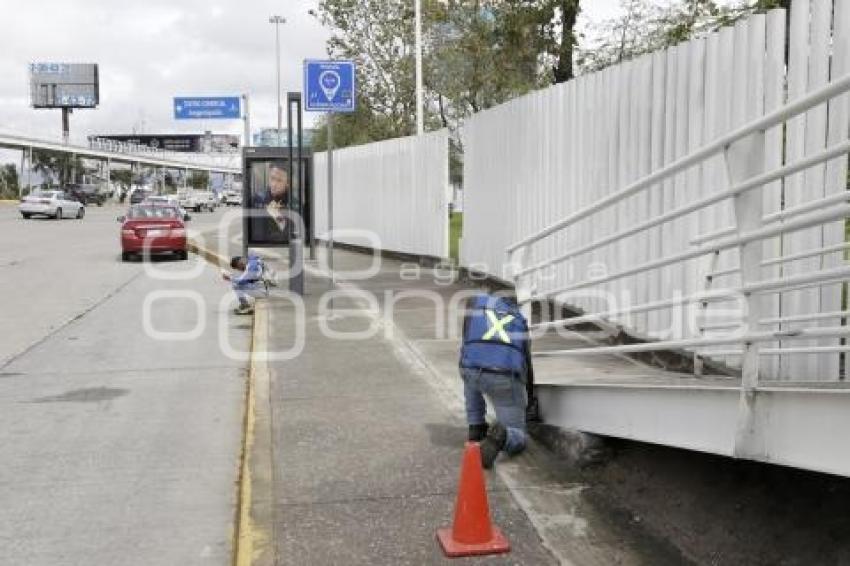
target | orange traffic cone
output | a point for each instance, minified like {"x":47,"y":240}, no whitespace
{"x":472,"y":534}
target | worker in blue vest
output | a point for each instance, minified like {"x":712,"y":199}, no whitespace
{"x":495,"y":362}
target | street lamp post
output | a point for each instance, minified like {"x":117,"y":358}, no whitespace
{"x":277,"y":20}
{"x":246,"y":117}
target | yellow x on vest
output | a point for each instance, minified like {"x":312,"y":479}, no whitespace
{"x":497,"y":326}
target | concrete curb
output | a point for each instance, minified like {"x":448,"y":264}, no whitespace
{"x":253,"y":542}
{"x":210,"y":256}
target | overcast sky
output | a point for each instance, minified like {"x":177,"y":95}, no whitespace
{"x":152,"y":50}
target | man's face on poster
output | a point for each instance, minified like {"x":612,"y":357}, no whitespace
{"x":278,"y":183}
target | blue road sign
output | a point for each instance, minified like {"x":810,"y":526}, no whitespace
{"x":329,"y":86}
{"x":207,"y":107}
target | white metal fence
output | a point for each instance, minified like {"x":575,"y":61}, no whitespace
{"x":633,"y":192}
{"x":394,"y":190}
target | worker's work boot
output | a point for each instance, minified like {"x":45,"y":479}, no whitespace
{"x":477,"y":432}
{"x":244,"y":309}
{"x":495,"y":441}
{"x":532,"y":412}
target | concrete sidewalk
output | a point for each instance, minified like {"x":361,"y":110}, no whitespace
{"x":366,"y":437}
{"x":366,"y":453}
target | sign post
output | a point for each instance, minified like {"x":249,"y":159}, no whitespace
{"x":329,"y":86}
{"x":296,"y":195}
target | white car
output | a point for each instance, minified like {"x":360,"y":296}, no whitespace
{"x":209,"y":200}
{"x":232,"y":198}
{"x":55,"y":204}
{"x":198,"y":200}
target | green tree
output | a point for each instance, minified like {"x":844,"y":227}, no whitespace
{"x":198,"y":180}
{"x":56,"y":166}
{"x":476,"y":54}
{"x":124,"y":179}
{"x":170,"y":181}
{"x":9,"y":187}
{"x":645,"y":26}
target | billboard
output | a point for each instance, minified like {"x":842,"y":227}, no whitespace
{"x":64,"y":85}
{"x":270,"y":196}
{"x":189,"y":143}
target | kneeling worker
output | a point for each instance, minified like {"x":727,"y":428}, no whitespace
{"x":495,"y":362}
{"x":246,"y":280}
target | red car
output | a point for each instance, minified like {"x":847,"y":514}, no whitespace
{"x":153,"y":229}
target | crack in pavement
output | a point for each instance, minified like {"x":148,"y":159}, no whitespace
{"x":69,"y":322}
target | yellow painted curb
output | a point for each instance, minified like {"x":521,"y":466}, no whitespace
{"x":244,"y":540}
{"x":210,"y":256}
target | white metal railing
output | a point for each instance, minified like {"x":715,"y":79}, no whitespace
{"x":742,"y":152}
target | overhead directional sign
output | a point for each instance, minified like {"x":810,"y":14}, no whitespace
{"x":329,"y":86}
{"x":207,"y":107}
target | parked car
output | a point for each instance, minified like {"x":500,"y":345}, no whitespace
{"x":54,"y":204}
{"x":208,"y":200}
{"x":138,"y":195}
{"x":197,"y":201}
{"x":232,"y":198}
{"x":86,"y":194}
{"x":153,"y":229}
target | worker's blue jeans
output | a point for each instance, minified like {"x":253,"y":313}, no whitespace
{"x":245,"y":289}
{"x":509,"y":399}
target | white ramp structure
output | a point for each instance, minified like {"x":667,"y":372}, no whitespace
{"x":120,"y":152}
{"x":390,"y":195}
{"x":696,"y":198}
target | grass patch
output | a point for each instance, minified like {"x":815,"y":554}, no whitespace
{"x":455,"y":231}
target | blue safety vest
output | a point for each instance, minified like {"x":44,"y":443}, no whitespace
{"x":495,"y":336}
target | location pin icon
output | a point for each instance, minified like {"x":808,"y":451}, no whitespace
{"x":329,"y":81}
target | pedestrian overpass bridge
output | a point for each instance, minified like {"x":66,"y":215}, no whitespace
{"x":110,"y":151}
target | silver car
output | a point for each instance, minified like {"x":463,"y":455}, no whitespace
{"x":54,"y":204}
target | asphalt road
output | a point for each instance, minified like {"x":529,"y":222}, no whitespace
{"x":117,"y":445}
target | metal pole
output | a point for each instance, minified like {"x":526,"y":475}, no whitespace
{"x":109,"y":175}
{"x":277,"y":20}
{"x":66,"y":124}
{"x":420,"y":120}
{"x":745,"y":159}
{"x":246,"y":141}
{"x":29,"y":170}
{"x":296,"y":242}
{"x":277,"y":68}
{"x":21,"y":176}
{"x":331,"y":199}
